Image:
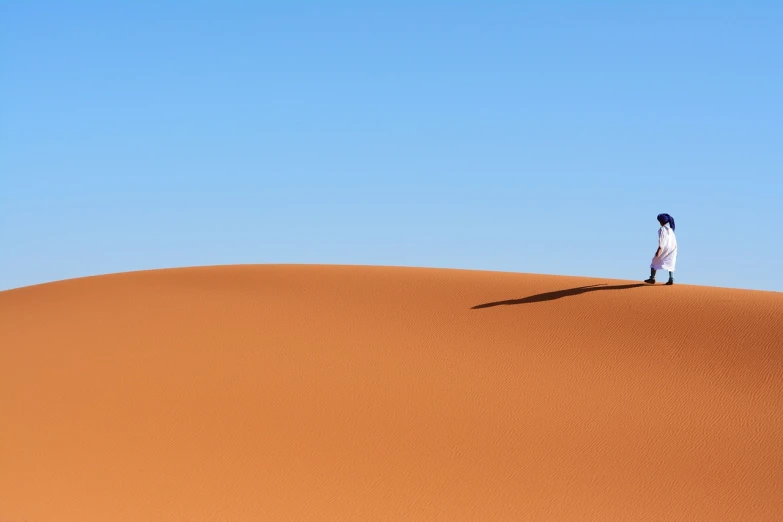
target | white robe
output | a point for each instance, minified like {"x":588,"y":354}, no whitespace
{"x":668,"y":256}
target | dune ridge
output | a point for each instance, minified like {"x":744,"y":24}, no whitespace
{"x":306,"y":392}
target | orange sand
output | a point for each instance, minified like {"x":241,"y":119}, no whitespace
{"x":375,"y":393}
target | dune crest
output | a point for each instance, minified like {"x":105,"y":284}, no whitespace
{"x":380,"y":393}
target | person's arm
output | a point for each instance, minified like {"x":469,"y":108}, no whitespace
{"x":660,"y":241}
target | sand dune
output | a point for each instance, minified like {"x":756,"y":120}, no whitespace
{"x":375,"y":393}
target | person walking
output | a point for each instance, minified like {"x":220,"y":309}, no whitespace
{"x":666,"y":256}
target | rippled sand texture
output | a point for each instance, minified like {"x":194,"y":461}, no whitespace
{"x":375,"y":393}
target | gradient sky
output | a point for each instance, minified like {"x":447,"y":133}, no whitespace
{"x":528,"y":137}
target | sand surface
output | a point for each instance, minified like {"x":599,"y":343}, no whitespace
{"x":376,"y":393}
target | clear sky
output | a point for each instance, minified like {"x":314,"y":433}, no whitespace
{"x":519,"y":136}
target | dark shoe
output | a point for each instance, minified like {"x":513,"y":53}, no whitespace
{"x":670,"y":282}
{"x":650,"y":281}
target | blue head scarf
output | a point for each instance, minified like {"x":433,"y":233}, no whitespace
{"x":666,"y":218}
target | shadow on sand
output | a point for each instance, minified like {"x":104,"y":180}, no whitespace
{"x":551,"y":296}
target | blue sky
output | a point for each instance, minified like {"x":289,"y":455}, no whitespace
{"x":529,"y":137}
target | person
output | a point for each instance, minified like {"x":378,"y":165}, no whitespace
{"x":666,"y":256}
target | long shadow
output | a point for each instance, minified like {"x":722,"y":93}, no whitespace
{"x":551,"y":296}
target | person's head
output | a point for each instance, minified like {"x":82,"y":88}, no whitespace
{"x":666,"y":219}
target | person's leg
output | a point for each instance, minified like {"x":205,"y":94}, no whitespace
{"x":671,"y":277}
{"x":652,"y":276}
